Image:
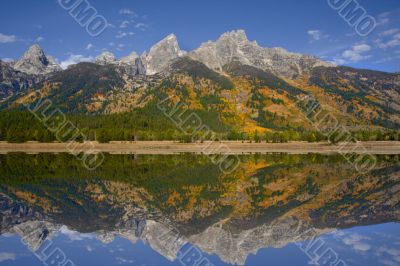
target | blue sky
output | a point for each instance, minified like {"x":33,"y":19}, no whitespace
{"x":307,"y":26}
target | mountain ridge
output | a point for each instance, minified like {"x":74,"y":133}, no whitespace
{"x":236,"y":85}
{"x":35,"y":61}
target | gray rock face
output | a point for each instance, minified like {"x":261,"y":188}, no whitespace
{"x":106,"y":58}
{"x":130,"y":65}
{"x":234,"y":247}
{"x":161,"y":55}
{"x":35,"y":62}
{"x":234,"y":46}
{"x":157,"y":60}
{"x":231,"y":46}
{"x":13,"y":81}
{"x":141,"y":69}
{"x":230,"y":245}
{"x":130,"y":59}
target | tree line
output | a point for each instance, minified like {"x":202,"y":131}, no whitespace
{"x":21,"y":126}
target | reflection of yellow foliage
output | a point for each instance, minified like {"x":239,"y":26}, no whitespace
{"x":174,"y":199}
{"x":33,"y":199}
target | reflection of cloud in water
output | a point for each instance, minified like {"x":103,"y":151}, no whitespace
{"x":5,"y":256}
{"x":356,"y":242}
{"x":89,"y":248}
{"x":374,"y":247}
{"x":390,"y":256}
{"x":121,"y":260}
{"x":73,"y":235}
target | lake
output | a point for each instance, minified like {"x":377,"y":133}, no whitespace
{"x":184,"y":209}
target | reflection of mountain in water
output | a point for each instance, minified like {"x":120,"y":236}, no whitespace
{"x":167,"y":201}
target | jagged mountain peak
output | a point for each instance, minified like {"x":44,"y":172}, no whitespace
{"x":169,"y":42}
{"x":171,"y":36}
{"x":234,"y":46}
{"x":35,"y":62}
{"x":35,"y":49}
{"x":131,"y":65}
{"x":162,"y":54}
{"x":106,"y":58}
{"x":239,"y":36}
{"x":231,"y":46}
{"x":130,"y":59}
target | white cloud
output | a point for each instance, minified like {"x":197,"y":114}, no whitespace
{"x":388,"y":262}
{"x":7,"y":38}
{"x":389,"y":32}
{"x":361,"y":48}
{"x":75,"y":59}
{"x":383,"y":18}
{"x":127,"y":11}
{"x":387,"y":59}
{"x":317,"y":35}
{"x":355,"y":54}
{"x":124,"y":24}
{"x":120,"y":47}
{"x":122,"y":34}
{"x":89,"y":46}
{"x":4,"y":256}
{"x":393,"y":42}
{"x":39,"y":39}
{"x":141,"y":26}
{"x":352,"y":55}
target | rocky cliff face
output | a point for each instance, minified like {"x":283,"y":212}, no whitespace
{"x":131,"y":65}
{"x":35,"y":62}
{"x":106,"y":58}
{"x":161,"y":55}
{"x":230,"y":47}
{"x":235,"y":46}
{"x":13,"y":81}
{"x":33,"y":67}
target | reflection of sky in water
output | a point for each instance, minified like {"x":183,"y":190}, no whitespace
{"x":370,"y":245}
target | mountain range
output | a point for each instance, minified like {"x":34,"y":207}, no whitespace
{"x":244,"y":86}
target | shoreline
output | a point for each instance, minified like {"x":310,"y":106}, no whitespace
{"x":223,"y":147}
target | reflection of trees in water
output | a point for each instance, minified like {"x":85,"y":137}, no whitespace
{"x":270,"y":200}
{"x":191,"y":190}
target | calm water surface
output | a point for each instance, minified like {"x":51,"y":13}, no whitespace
{"x":274,"y":209}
